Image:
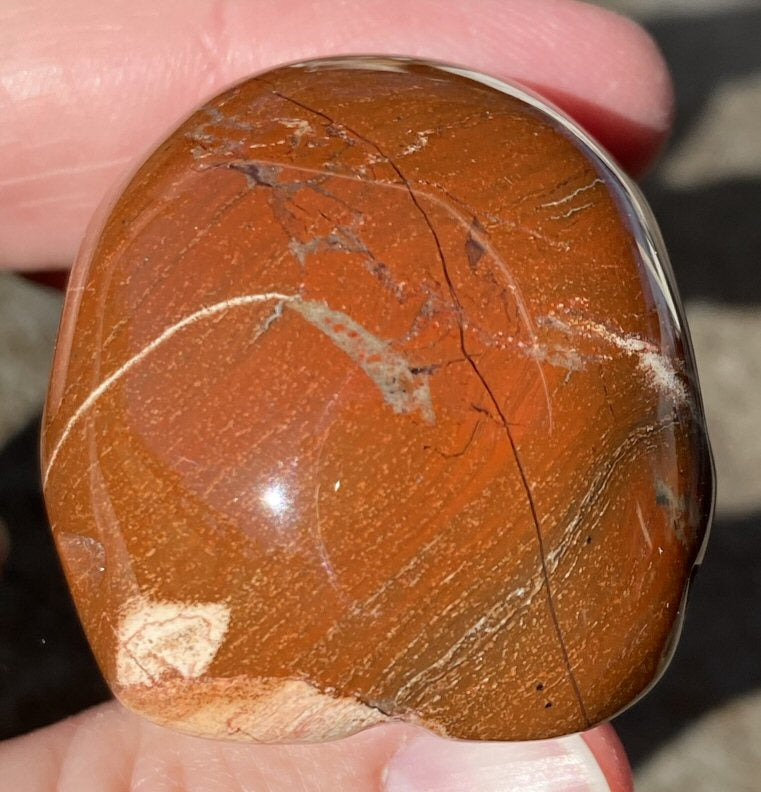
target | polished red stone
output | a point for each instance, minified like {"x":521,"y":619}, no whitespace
{"x":372,"y":401}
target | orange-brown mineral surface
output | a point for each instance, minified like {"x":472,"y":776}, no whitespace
{"x":371,"y":402}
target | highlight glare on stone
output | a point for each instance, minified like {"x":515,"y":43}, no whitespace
{"x":373,"y":400}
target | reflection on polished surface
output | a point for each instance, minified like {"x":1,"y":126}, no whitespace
{"x":275,"y":499}
{"x":373,"y":400}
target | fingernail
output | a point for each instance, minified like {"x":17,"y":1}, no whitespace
{"x":433,"y":764}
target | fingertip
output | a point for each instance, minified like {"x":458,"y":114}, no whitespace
{"x":632,"y":50}
{"x":649,"y":95}
{"x":69,"y":134}
{"x":613,"y":79}
{"x":426,"y":763}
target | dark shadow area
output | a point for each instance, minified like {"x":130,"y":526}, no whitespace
{"x":704,"y":50}
{"x":718,"y":655}
{"x":713,"y":237}
{"x":46,"y":669}
{"x":713,"y":233}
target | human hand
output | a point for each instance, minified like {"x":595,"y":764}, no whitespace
{"x":89,"y":88}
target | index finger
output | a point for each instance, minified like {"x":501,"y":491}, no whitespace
{"x":89,"y":86}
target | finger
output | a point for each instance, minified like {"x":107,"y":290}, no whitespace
{"x":107,"y":748}
{"x":89,"y":86}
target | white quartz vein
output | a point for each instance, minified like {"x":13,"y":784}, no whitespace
{"x":572,"y":211}
{"x":653,"y":363}
{"x":322,"y":549}
{"x":467,"y":225}
{"x":660,"y":373}
{"x":643,"y":526}
{"x":403,"y":390}
{"x":572,"y":195}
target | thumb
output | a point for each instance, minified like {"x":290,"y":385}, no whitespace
{"x":108,"y":748}
{"x":589,"y":762}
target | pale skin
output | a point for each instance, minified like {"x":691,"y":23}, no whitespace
{"x":86,"y":88}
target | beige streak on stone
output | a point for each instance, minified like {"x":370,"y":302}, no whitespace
{"x":401,"y":390}
{"x":159,"y":638}
{"x":256,"y":709}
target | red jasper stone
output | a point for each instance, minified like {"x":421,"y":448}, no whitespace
{"x":373,"y":400}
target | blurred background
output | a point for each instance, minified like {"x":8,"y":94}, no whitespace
{"x":700,"y":729}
